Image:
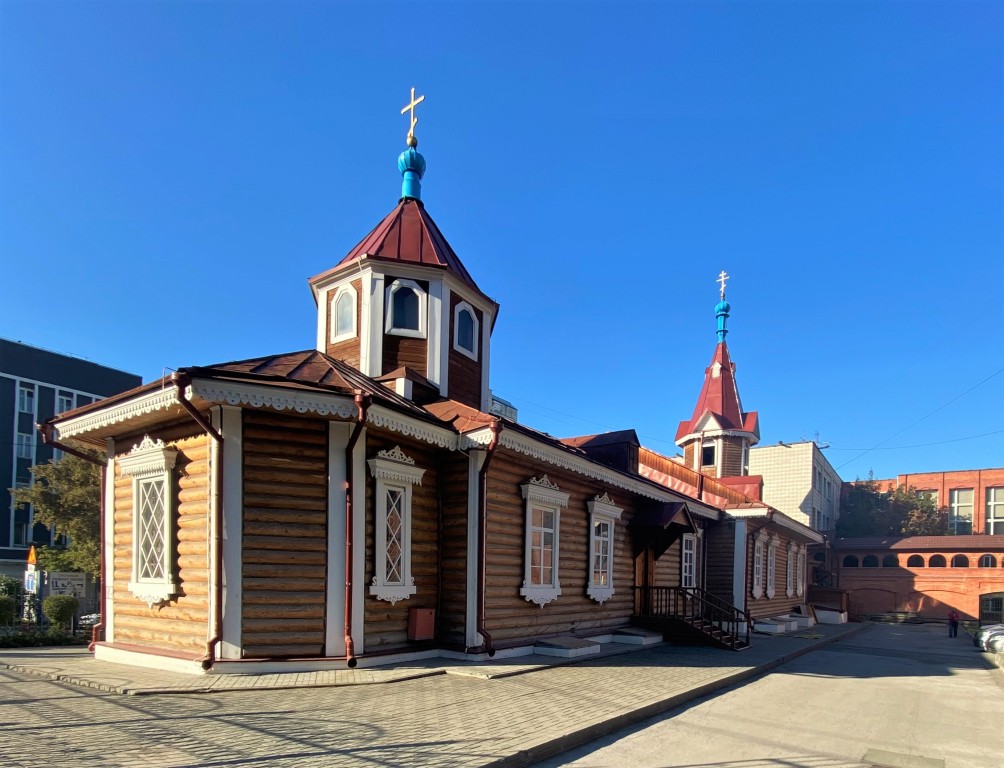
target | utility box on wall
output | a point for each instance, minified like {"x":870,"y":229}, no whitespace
{"x":421,"y":623}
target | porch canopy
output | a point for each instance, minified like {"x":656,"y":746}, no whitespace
{"x":659,"y":524}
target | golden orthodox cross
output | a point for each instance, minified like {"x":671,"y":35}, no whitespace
{"x":721,"y":279}
{"x":414,"y":120}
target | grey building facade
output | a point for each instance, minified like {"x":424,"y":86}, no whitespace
{"x":36,"y":384}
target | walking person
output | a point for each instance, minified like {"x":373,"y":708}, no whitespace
{"x":953,"y":623}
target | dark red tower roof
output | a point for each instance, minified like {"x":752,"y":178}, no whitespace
{"x":720,"y":397}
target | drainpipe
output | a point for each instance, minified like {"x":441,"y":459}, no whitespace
{"x":362,"y":402}
{"x":181,"y":382}
{"x":47,"y":439}
{"x":496,"y":429}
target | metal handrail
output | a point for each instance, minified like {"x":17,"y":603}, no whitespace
{"x":692,"y":603}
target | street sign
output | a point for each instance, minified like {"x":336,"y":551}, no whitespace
{"x":31,"y":581}
{"x":66,"y":583}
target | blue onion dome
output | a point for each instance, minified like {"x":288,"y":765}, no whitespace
{"x":722,"y":307}
{"x":411,"y":160}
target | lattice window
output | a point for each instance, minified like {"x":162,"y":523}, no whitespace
{"x":771,"y":566}
{"x":688,"y":563}
{"x":150,"y":464}
{"x":396,"y":475}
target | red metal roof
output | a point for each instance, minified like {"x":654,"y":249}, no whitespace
{"x":720,"y":397}
{"x":407,"y":234}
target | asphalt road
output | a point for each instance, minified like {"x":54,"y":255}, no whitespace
{"x":904,"y":696}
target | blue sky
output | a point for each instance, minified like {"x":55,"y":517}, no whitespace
{"x":172,"y":173}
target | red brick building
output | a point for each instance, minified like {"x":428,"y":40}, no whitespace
{"x":974,"y":497}
{"x":927,"y":575}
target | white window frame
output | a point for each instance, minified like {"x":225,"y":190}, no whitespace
{"x":954,"y":505}
{"x":423,"y":304}
{"x":800,"y":572}
{"x":25,"y":445}
{"x":540,"y":493}
{"x":995,"y":511}
{"x":772,"y":566}
{"x":333,"y":333}
{"x":705,"y":444}
{"x":688,"y":570}
{"x":602,"y":510}
{"x":151,"y":462}
{"x":463,"y":306}
{"x":26,"y":398}
{"x":759,"y":545}
{"x":64,"y":403}
{"x":789,"y":571}
{"x":393,"y":471}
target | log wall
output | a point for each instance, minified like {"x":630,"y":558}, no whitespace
{"x":465,"y":374}
{"x":182,"y":624}
{"x":386,"y":625}
{"x":284,"y":534}
{"x":720,"y":565}
{"x":510,"y":618}
{"x":764,"y":607}
{"x":732,"y":457}
{"x":452,"y":615}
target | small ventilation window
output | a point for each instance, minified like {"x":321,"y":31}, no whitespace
{"x":465,"y":330}
{"x":406,"y":309}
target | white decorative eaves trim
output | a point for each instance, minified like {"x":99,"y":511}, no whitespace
{"x":605,"y":507}
{"x":526,"y":445}
{"x":392,"y":594}
{"x":540,"y":595}
{"x":385,"y":418}
{"x":273,"y":397}
{"x":712,"y":434}
{"x":401,"y":470}
{"x":116,"y":414}
{"x":544,"y":491}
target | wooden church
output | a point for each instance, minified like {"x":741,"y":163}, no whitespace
{"x":358,"y":502}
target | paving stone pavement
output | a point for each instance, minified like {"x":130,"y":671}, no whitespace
{"x":436,"y":713}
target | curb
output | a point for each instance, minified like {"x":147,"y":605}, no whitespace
{"x":528,"y":757}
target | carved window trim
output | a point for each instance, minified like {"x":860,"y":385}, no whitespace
{"x":759,"y":547}
{"x":150,"y":464}
{"x":396,"y":475}
{"x":800,"y":573}
{"x":789,"y":573}
{"x":544,"y":496}
{"x":423,"y":300}
{"x":464,"y":308}
{"x":772,"y":566}
{"x":602,"y":511}
{"x":335,"y":334}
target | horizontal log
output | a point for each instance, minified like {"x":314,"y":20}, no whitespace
{"x":254,"y":542}
{"x":288,"y":490}
{"x":282,"y":613}
{"x":287,"y":529}
{"x":259,"y":462}
{"x":280,"y":515}
{"x":280,"y":475}
{"x":194,"y":644}
{"x":280,"y":650}
{"x":283,"y":557}
{"x":267,"y":596}
{"x":264,"y":631}
{"x":283,"y":502}
{"x":172,"y":617}
{"x":256,"y":584}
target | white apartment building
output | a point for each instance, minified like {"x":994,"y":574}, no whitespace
{"x":799,"y":481}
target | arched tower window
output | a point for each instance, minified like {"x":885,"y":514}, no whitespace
{"x":406,"y":309}
{"x":915,"y":561}
{"x":870,"y":561}
{"x":890,"y":561}
{"x":960,"y":561}
{"x":937,"y":561}
{"x":850,"y":561}
{"x":988,"y":561}
{"x":343,"y":314}
{"x":465,"y":330}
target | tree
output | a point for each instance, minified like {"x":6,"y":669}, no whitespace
{"x":66,"y":496}
{"x":867,"y":511}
